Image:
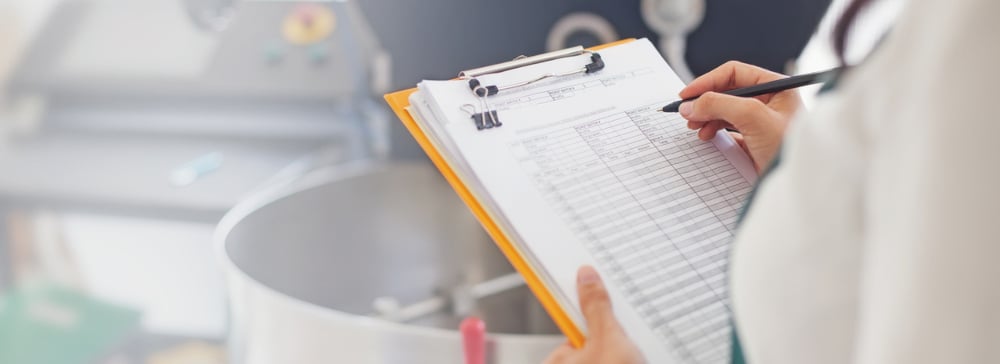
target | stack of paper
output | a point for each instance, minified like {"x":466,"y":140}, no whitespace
{"x":585,"y":170}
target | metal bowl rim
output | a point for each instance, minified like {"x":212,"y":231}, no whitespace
{"x":307,"y":182}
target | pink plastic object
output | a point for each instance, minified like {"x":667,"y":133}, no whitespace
{"x":474,"y":340}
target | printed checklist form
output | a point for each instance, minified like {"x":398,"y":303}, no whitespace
{"x":586,"y":171}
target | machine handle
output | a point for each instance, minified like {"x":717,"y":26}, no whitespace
{"x":474,"y":340}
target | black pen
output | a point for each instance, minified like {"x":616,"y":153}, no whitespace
{"x":769,"y":87}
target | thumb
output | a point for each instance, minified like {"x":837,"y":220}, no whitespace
{"x":744,"y":113}
{"x":595,"y":303}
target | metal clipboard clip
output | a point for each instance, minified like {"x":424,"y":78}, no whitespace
{"x":485,"y":117}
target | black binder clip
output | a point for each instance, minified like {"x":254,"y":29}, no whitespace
{"x":483,"y":120}
{"x":488,"y":118}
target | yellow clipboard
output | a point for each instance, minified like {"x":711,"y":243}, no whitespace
{"x":399,"y":101}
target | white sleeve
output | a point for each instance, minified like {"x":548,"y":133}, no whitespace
{"x":930,"y":277}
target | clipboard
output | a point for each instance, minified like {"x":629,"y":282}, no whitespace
{"x":399,"y":101}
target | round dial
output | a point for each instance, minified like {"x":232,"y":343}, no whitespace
{"x":309,"y":23}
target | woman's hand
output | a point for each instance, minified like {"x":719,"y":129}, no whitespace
{"x":606,"y":341}
{"x":761,"y":121}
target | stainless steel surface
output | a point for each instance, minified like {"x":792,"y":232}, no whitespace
{"x":248,"y":60}
{"x":674,"y":20}
{"x":112,"y":174}
{"x":461,"y":300}
{"x":306,"y":263}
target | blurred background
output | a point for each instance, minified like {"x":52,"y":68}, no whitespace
{"x":215,"y":181}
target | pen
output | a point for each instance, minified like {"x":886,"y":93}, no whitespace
{"x":769,"y":87}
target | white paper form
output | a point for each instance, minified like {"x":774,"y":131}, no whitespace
{"x":586,"y":171}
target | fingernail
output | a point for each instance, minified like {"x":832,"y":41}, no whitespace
{"x":685,"y":108}
{"x":587,"y":275}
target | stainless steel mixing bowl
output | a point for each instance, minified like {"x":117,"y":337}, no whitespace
{"x":305,"y":264}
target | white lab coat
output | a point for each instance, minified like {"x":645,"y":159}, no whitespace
{"x":877,"y":239}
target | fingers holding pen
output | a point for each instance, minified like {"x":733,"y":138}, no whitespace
{"x":708,"y":131}
{"x":739,"y":112}
{"x":761,"y":120}
{"x":728,"y":76}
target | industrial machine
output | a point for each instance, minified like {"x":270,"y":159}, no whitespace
{"x":272,"y":70}
{"x":172,"y":112}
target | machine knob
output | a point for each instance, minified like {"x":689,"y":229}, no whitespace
{"x":309,"y":23}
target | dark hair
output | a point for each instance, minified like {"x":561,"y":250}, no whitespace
{"x":843,"y":27}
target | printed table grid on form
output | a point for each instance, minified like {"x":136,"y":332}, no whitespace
{"x":651,"y":203}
